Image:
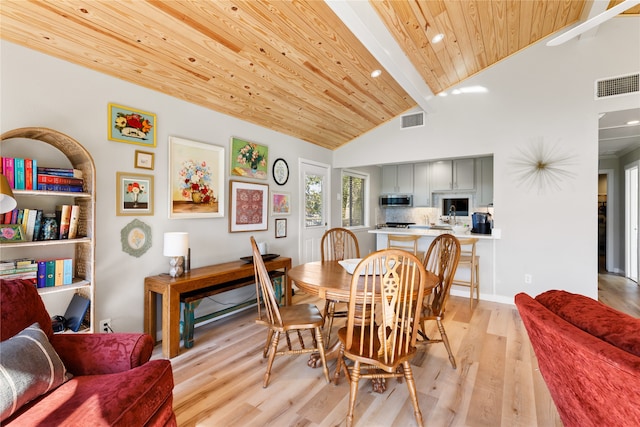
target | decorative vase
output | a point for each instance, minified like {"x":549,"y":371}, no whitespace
{"x":135,"y":199}
{"x":196,"y":197}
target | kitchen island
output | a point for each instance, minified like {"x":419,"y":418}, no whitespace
{"x":485,"y":249}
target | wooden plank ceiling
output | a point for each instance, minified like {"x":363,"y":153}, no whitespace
{"x":291,"y":66}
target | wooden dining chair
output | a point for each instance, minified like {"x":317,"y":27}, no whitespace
{"x":442,"y":260}
{"x":337,"y":244}
{"x":408,"y":242}
{"x":385,"y":301}
{"x":282,"y":320}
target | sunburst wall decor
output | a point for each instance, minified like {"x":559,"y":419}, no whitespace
{"x":541,"y":166}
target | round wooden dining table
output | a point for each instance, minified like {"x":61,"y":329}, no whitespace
{"x":330,"y":281}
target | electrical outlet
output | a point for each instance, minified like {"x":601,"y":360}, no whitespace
{"x":105,"y":326}
{"x":528,"y":279}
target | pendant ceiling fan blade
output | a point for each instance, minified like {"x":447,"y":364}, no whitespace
{"x":593,"y":22}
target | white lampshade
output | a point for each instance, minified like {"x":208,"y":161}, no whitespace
{"x":176,"y":244}
{"x":7,"y":200}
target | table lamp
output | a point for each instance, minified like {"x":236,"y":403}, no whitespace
{"x":7,"y":200}
{"x":176,"y":246}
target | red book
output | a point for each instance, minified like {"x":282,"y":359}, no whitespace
{"x":7,"y":170}
{"x":52,"y":179}
{"x":28,"y":174}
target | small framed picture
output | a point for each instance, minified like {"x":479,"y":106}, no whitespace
{"x":131,"y":126}
{"x":248,"y":206}
{"x":281,"y":227}
{"x":144,"y":160}
{"x":280,"y":203}
{"x":11,"y":233}
{"x":134,"y":194}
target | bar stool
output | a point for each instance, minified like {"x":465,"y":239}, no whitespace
{"x":469,"y":259}
{"x":407,"y":242}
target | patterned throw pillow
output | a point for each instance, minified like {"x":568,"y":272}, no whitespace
{"x":29,"y":367}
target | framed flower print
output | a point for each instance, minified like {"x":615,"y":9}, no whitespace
{"x":248,"y":159}
{"x":131,"y":126}
{"x":134,"y":194}
{"x":196,"y":179}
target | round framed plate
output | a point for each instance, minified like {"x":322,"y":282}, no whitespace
{"x":280,"y":171}
{"x":135,"y":238}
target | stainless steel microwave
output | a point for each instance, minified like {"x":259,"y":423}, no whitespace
{"x":396,"y":200}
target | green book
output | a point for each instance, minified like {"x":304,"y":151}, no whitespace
{"x":50,"y":280}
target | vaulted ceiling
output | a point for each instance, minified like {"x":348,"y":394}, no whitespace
{"x":297,"y":67}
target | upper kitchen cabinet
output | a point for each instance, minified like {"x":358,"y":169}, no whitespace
{"x":452,"y":175}
{"x":397,"y":179}
{"x":484,"y":178}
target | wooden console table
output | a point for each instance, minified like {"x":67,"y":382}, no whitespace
{"x":172,"y":288}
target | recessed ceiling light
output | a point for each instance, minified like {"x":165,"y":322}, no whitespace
{"x":437,"y":38}
{"x":633,"y":122}
{"x":442,"y":94}
{"x":376,"y":73}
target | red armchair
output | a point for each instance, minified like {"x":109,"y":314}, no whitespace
{"x":113,"y":383}
{"x":588,"y":355}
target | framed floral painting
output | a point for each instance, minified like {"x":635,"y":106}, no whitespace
{"x":196,"y":179}
{"x":131,"y":126}
{"x":280,"y":203}
{"x":249,"y":159}
{"x":248,"y":204}
{"x":134,"y":194}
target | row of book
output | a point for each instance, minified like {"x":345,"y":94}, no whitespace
{"x":24,"y":174}
{"x":35,"y":226}
{"x":42,"y":273}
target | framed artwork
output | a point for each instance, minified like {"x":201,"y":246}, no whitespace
{"x":281,"y":227}
{"x":135,"y":238}
{"x":248,"y":204}
{"x":134,"y":194}
{"x":11,"y":233}
{"x":280,"y":203}
{"x":131,"y":126}
{"x":249,"y":159}
{"x":280,"y":171}
{"x":196,"y":179}
{"x":143,"y":160}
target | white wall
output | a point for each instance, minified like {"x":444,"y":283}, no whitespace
{"x":41,"y":91}
{"x":543,"y":93}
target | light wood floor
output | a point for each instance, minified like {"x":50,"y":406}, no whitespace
{"x":218,"y":382}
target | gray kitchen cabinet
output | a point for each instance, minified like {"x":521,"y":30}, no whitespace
{"x":421,"y":190}
{"x":453,"y":175}
{"x":397,"y":179}
{"x":484,"y":180}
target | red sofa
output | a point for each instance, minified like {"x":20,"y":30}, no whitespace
{"x":589,"y":357}
{"x":113,"y":383}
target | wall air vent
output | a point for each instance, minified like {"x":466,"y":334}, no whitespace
{"x":412,"y":120}
{"x":617,"y":86}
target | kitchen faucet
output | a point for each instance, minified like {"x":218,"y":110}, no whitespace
{"x":452,"y":209}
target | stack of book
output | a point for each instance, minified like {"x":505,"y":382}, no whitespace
{"x":67,"y":216}
{"x":60,"y":179}
{"x":19,"y":268}
{"x":31,"y":220}
{"x":21,"y":173}
{"x":54,"y":272}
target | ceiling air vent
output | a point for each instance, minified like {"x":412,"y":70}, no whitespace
{"x":412,"y":120}
{"x":616,"y":86}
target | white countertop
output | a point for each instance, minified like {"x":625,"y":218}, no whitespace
{"x":427,"y":232}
